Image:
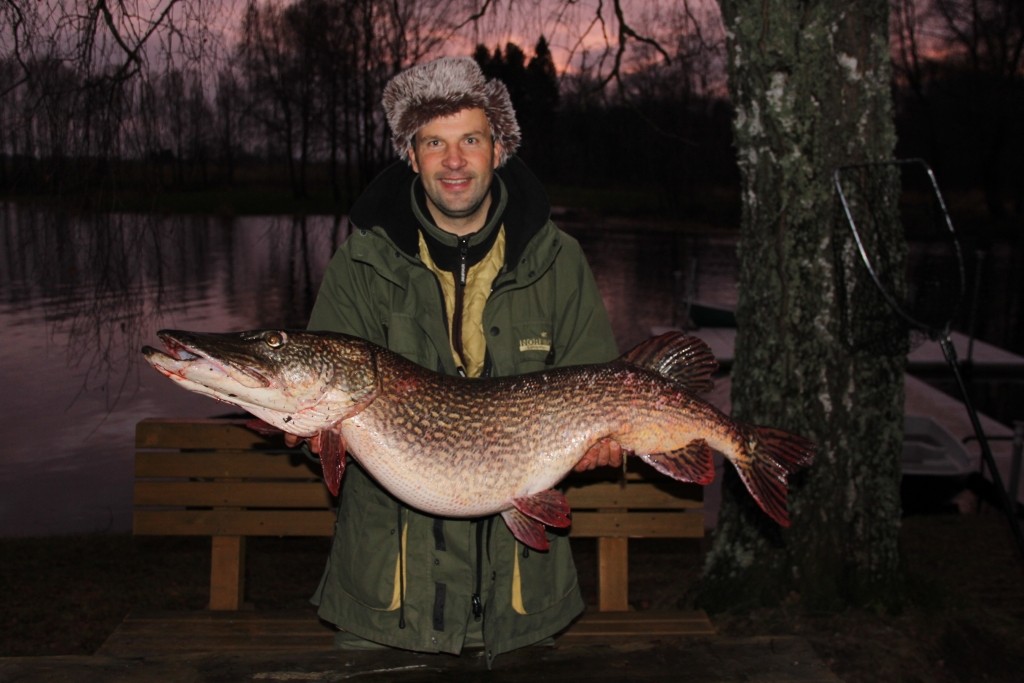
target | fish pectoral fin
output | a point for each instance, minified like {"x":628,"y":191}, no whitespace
{"x":527,"y":531}
{"x":529,"y":514}
{"x":694,"y":462}
{"x":331,"y":447}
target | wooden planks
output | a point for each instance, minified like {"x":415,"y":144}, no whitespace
{"x":173,"y":633}
{"x":219,"y":493}
{"x":597,"y":626}
{"x":613,"y":574}
{"x":214,"y":464}
{"x":202,"y":434}
{"x":227,"y":572}
{"x":232,"y":522}
{"x":718,"y":659}
{"x":632,"y":524}
{"x":165,"y":633}
{"x":634,"y":493}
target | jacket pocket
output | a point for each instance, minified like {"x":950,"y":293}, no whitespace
{"x":539,"y":581}
{"x":533,"y":346}
{"x":367,"y":543}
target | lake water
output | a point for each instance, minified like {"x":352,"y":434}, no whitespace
{"x":80,"y":296}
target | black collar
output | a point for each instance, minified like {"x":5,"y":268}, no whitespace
{"x":445,"y":248}
{"x":383,"y":204}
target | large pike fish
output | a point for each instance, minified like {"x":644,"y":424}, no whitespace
{"x":457,"y":447}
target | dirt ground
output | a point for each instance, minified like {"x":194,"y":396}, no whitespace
{"x":964,"y":620}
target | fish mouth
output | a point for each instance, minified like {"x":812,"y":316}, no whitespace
{"x":175,"y":349}
{"x":184,"y":353}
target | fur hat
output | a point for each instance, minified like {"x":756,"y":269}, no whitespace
{"x":444,"y":87}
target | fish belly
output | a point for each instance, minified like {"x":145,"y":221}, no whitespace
{"x":448,"y":476}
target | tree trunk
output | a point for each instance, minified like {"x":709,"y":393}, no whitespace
{"x":810,"y":82}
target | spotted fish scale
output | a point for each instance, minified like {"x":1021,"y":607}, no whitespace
{"x":460,"y":447}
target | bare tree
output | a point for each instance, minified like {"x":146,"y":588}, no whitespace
{"x":229,"y":112}
{"x":963,"y":62}
{"x":73,"y":66}
{"x":270,"y":67}
{"x":315,"y":71}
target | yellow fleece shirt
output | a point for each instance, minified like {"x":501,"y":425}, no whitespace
{"x":478,"y":287}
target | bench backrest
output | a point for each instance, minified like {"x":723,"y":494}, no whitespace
{"x":218,"y":478}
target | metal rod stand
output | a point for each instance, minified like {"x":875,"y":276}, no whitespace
{"x":949,"y":351}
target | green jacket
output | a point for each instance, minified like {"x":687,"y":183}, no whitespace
{"x":395,"y":576}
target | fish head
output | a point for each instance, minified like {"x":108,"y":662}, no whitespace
{"x":300,"y":382}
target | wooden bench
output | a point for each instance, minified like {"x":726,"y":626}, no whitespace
{"x":217,"y":478}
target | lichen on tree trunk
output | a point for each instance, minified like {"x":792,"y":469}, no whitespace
{"x":809,"y":82}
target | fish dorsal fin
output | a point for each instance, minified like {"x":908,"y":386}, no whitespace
{"x":685,"y":360}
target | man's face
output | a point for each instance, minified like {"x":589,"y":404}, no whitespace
{"x":456,"y":158}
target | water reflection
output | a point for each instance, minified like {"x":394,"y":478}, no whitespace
{"x":80,"y":295}
{"x":646,"y":275}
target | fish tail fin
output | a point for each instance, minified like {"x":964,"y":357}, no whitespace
{"x":773,"y":455}
{"x":687,"y":361}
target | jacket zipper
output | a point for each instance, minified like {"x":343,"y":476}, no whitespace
{"x":477,"y":599}
{"x":461,"y":277}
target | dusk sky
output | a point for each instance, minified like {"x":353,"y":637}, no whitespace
{"x":576,"y":30}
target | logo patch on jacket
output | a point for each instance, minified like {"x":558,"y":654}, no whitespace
{"x":541,"y":343}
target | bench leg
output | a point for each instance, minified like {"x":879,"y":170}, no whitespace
{"x":227,"y":572}
{"x":612,"y":574}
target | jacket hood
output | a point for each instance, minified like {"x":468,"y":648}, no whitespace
{"x":385,"y":203}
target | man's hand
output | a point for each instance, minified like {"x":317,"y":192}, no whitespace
{"x":606,"y":452}
{"x":291,"y":441}
{"x":330,"y":446}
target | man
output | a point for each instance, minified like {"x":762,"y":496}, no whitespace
{"x":455,"y":264}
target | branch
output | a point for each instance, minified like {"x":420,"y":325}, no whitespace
{"x":624,"y":34}
{"x":19,"y":20}
{"x":132,"y":53}
{"x":626,"y":31}
{"x":474,"y":17}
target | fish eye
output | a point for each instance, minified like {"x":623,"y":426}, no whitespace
{"x":275,"y":340}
